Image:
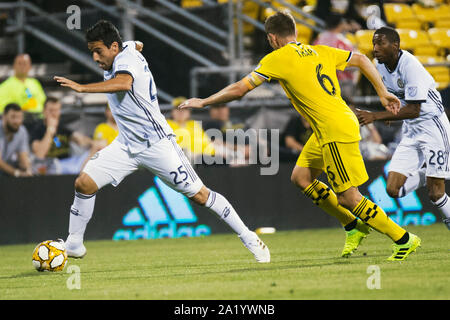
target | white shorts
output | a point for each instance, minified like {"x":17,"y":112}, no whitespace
{"x":164,"y":159}
{"x":428,"y":147}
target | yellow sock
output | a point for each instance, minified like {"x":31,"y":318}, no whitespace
{"x":326,"y":199}
{"x":375,"y":217}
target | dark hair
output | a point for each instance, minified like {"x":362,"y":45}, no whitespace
{"x":281,"y":23}
{"x":50,"y":99}
{"x":104,"y":31}
{"x":334,"y":20}
{"x":391,"y":34}
{"x":12,"y":106}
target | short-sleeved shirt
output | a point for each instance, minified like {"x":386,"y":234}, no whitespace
{"x":308,"y":76}
{"x":60,"y":147}
{"x":412,"y":83}
{"x":136,"y":111}
{"x":9,"y":150}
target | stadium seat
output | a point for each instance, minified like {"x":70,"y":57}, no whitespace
{"x":351,"y":37}
{"x":440,"y":37}
{"x":441,"y":75}
{"x":308,"y":9}
{"x":416,"y":41}
{"x":191,"y":3}
{"x":443,"y":23}
{"x":364,"y":41}
{"x":432,"y":14}
{"x":412,"y":24}
{"x":294,"y":2}
{"x":267,"y":13}
{"x":398,"y":11}
{"x":304,"y":33}
{"x":430,"y":59}
{"x":279,"y":6}
{"x":250,"y":9}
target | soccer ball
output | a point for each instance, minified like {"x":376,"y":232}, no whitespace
{"x":50,"y":255}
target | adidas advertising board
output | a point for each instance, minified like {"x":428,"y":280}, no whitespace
{"x":142,"y":207}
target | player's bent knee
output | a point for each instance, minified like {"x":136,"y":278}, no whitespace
{"x":350,"y":198}
{"x":201,"y":197}
{"x":85,"y":185}
{"x":436,"y":188}
{"x":435,"y":195}
{"x":344,"y":201}
{"x":300,"y":181}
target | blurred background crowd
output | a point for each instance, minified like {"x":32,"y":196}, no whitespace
{"x":48,"y":130}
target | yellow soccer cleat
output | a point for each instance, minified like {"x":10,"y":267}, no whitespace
{"x":401,"y":251}
{"x":354,"y":237}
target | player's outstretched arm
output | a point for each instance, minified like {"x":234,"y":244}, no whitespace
{"x":410,"y":111}
{"x":232,"y":92}
{"x":121,"y":82}
{"x":388,"y":100}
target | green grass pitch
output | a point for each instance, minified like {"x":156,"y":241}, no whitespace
{"x":305,"y":265}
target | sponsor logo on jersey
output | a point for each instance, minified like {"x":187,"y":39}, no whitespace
{"x":412,"y":91}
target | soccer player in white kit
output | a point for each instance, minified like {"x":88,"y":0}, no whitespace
{"x":145,"y":139}
{"x":422,"y":156}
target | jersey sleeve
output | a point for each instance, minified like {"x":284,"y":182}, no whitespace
{"x":126,"y":61}
{"x":268,"y":67}
{"x":417,"y":82}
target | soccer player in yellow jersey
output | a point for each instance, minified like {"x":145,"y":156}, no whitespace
{"x":308,"y":76}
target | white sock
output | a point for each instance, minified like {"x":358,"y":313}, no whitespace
{"x":413,"y":182}
{"x":443,"y":205}
{"x":219,"y":205}
{"x":80,"y":214}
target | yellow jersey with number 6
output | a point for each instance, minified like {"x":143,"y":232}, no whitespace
{"x":308,"y":76}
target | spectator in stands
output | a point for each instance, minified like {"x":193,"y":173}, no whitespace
{"x":14,"y":148}
{"x":50,"y":143}
{"x":371,"y":144}
{"x":104,"y":134}
{"x":106,"y":131}
{"x":334,"y":37}
{"x":190,"y":135}
{"x":349,"y":9}
{"x":220,"y":120}
{"x":25,"y":91}
{"x":294,"y":137}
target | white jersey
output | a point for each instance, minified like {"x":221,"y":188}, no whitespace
{"x":425,"y":139}
{"x":139,"y":119}
{"x":412,"y":83}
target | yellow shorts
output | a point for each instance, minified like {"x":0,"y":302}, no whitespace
{"x":342,"y":162}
